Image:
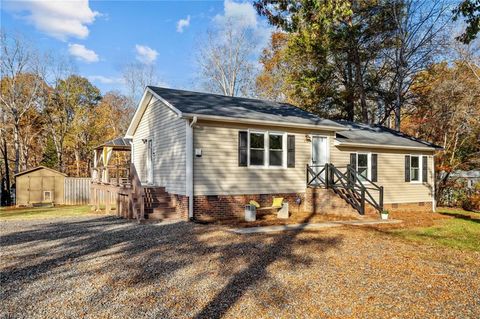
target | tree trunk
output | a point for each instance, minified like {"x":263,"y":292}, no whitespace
{"x":360,"y":85}
{"x":7,"y":197}
{"x":16,"y":145}
{"x":350,"y":103}
{"x":77,"y":161}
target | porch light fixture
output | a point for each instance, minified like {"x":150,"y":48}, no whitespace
{"x":144,"y":140}
{"x":308,"y":138}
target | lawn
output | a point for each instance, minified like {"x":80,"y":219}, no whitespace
{"x":460,"y":230}
{"x":42,"y":212}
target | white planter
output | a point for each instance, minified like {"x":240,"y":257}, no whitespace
{"x":250,"y":213}
{"x":384,"y":216}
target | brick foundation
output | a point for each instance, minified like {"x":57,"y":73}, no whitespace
{"x":180,"y":202}
{"x":417,"y":206}
{"x":224,"y":207}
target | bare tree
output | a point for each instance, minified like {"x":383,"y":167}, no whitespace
{"x":418,"y":38}
{"x":22,"y":76}
{"x":137,"y":76}
{"x":224,"y":60}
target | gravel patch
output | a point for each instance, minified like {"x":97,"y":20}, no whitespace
{"x":103,"y":267}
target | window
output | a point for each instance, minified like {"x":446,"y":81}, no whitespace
{"x":267,"y":149}
{"x":275,"y":144}
{"x":414,"y":168}
{"x":257,"y":149}
{"x":47,"y":196}
{"x":362,"y":165}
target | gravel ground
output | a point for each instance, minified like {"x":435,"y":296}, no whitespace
{"x":103,"y":267}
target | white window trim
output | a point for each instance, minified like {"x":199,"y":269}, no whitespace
{"x":266,"y":150}
{"x":369,"y":163}
{"x":420,"y":168}
{"x":51,"y":195}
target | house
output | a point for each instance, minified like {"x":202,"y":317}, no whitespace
{"x":39,"y":185}
{"x":468,"y":178}
{"x":212,"y":154}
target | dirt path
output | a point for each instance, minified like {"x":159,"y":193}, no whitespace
{"x":105,"y":267}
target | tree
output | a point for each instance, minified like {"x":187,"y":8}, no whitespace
{"x":223,"y":60}
{"x":447,"y":96}
{"x":271,"y":83}
{"x":419,"y":25}
{"x":470,"y":11}
{"x":137,"y":77}
{"x":21,"y":82}
{"x":329,"y":57}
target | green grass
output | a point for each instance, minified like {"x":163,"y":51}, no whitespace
{"x":42,"y":212}
{"x":461,"y":232}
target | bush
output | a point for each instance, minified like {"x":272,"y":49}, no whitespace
{"x":471,"y":203}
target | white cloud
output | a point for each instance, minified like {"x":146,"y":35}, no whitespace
{"x":59,"y":19}
{"x":241,"y":13}
{"x":82,"y":53}
{"x":145,"y":54}
{"x":105,"y":79}
{"x":183,"y":23}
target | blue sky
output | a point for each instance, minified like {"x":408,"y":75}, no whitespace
{"x":102,"y":36}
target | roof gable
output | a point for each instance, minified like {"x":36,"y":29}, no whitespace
{"x":38,"y":168}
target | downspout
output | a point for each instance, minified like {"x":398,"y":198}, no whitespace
{"x":189,"y":165}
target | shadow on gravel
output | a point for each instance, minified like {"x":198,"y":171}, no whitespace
{"x":148,"y":253}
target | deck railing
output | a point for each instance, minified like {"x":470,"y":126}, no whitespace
{"x":354,"y":188}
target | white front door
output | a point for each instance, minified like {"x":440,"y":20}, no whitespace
{"x":149,"y":163}
{"x":319,"y":153}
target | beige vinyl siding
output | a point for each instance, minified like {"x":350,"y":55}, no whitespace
{"x":217,"y":171}
{"x":391,"y":173}
{"x":168,"y":134}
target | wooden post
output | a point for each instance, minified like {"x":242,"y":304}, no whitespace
{"x":130,"y":205}
{"x":381,"y":198}
{"x":327,"y":175}
{"x":362,"y":202}
{"x":97,"y":199}
{"x":119,"y":203}
{"x":116,"y":175}
{"x":142,"y":207}
{"x":108,"y":198}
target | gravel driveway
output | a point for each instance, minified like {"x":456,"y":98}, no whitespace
{"x":103,"y":267}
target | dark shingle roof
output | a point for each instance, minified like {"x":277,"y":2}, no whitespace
{"x":367,"y":134}
{"x":118,"y":143}
{"x":235,"y":107}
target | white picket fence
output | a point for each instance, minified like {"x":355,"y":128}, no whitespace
{"x":77,"y":191}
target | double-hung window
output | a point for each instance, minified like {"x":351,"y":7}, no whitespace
{"x":415,"y":168}
{"x":257,"y":149}
{"x":366,"y":165}
{"x":275,"y":149}
{"x":266,"y":149}
{"x":363,"y":166}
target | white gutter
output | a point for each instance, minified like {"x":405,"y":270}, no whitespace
{"x":189,"y":164}
{"x":260,"y":122}
{"x":419,"y":148}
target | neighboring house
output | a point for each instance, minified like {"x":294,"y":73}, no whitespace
{"x":39,"y":185}
{"x":213,"y":153}
{"x":467,"y":178}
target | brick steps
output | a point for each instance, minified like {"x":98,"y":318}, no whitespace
{"x":158,"y":204}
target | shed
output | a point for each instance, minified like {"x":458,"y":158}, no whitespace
{"x":40,"y":185}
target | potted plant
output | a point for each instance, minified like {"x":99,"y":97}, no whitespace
{"x":384,"y":214}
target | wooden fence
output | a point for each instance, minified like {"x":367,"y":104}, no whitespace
{"x":77,"y":190}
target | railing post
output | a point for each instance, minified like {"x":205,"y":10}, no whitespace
{"x":381,"y":198}
{"x":327,"y":175}
{"x":306,"y":173}
{"x":362,"y":202}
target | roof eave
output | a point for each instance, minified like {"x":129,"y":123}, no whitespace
{"x":217,"y":118}
{"x":367,"y":145}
